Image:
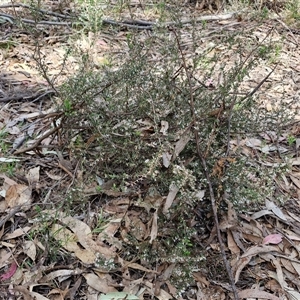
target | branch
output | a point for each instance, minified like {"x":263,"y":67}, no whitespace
{"x":46,"y":12}
{"x":133,"y":24}
{"x":36,"y":144}
{"x":206,"y":172}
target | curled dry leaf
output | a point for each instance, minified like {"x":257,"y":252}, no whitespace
{"x":232,"y":246}
{"x":240,"y":266}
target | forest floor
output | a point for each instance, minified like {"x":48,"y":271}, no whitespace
{"x":114,"y":245}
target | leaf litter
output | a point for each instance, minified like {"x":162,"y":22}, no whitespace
{"x":92,"y":260}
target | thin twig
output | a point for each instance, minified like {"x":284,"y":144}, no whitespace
{"x":244,"y":98}
{"x":233,"y":102}
{"x":28,"y":21}
{"x":11,"y":214}
{"x":36,"y":144}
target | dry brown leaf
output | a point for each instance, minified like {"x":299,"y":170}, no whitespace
{"x":171,"y":288}
{"x":3,"y":204}
{"x":173,"y":190}
{"x":180,"y":145}
{"x":138,"y":228}
{"x":292,"y":293}
{"x":250,"y":229}
{"x":290,"y":276}
{"x":140,"y":267}
{"x":164,"y":127}
{"x":18,"y":194}
{"x":133,"y":265}
{"x":61,"y":274}
{"x":287,"y":264}
{"x":29,"y":249}
{"x":162,"y":295}
{"x":18,"y":277}
{"x":276,"y":263}
{"x":4,"y":257}
{"x":260,"y":249}
{"x":68,"y":240}
{"x":153,"y":201}
{"x":225,"y":225}
{"x":57,"y":294}
{"x":295,"y":217}
{"x":107,"y":234}
{"x":253,"y":143}
{"x":73,"y":290}
{"x":296,"y":266}
{"x":295,"y":180}
{"x":24,"y":291}
{"x":154,"y":228}
{"x":237,"y":239}
{"x":33,"y":175}
{"x":273,"y":286}
{"x":234,"y":249}
{"x":18,"y":232}
{"x":166,"y":157}
{"x":240,"y":266}
{"x":275,"y":209}
{"x":135,"y":287}
{"x":53,"y":177}
{"x":91,"y":294}
{"x":65,"y":236}
{"x":252,"y":238}
{"x":251,"y":293}
{"x":79,"y":233}
{"x":260,"y":214}
{"x":201,"y":279}
{"x":296,"y":161}
{"x":99,"y":284}
{"x":117,"y":205}
{"x":2,"y":231}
